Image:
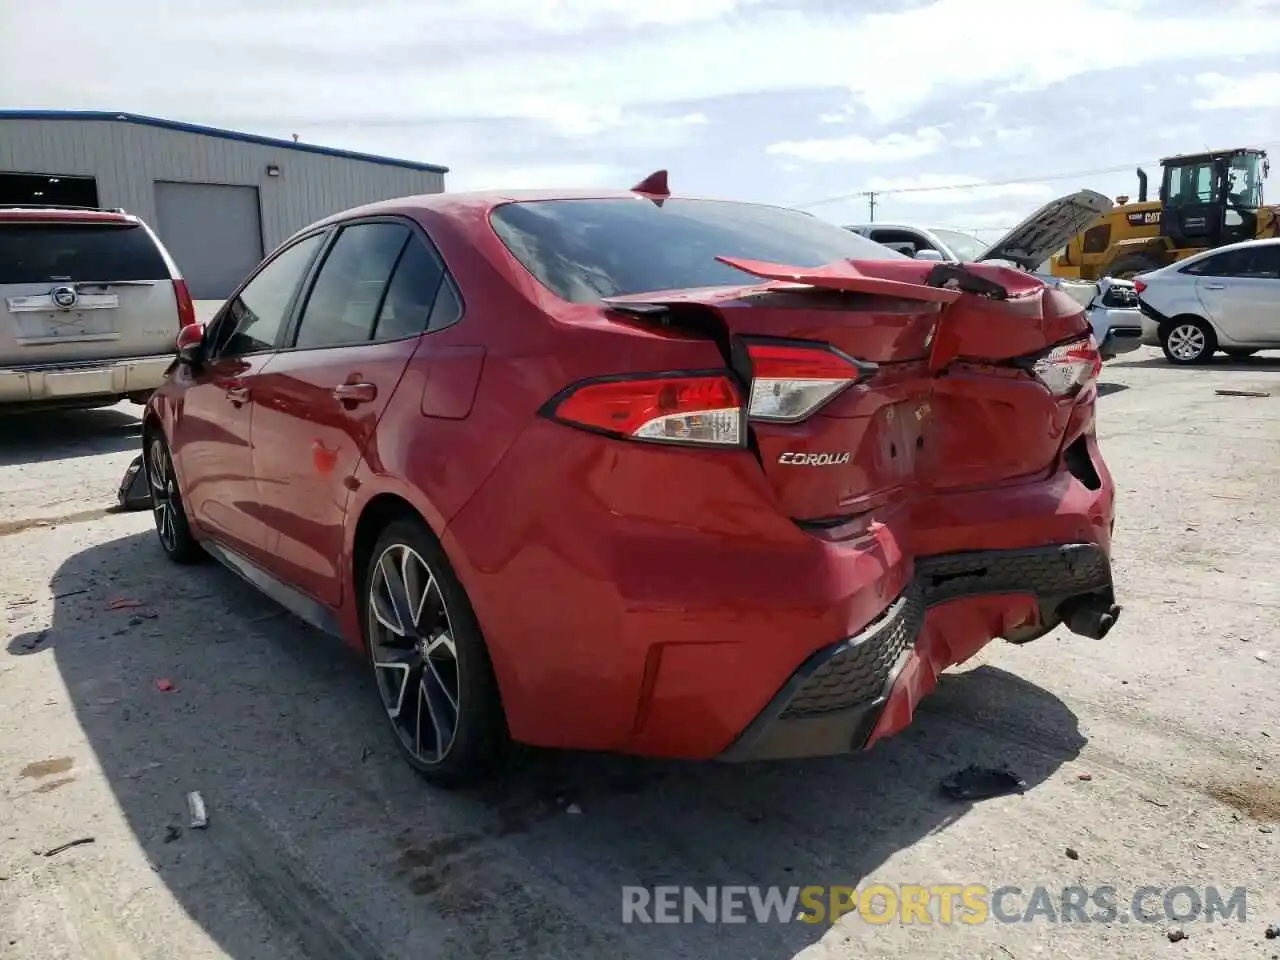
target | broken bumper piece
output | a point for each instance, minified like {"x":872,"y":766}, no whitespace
{"x":847,"y":696}
{"x":134,"y":492}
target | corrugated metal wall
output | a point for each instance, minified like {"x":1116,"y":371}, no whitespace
{"x":127,"y":159}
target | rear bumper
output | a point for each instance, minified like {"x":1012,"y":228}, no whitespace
{"x":1117,"y":329}
{"x":851,"y":694}
{"x":65,"y":383}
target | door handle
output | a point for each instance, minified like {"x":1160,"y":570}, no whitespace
{"x":238,"y":395}
{"x":349,"y":394}
{"x":1215,"y":286}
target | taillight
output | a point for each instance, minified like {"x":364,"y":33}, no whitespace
{"x":1139,"y":285}
{"x":791,"y":381}
{"x":1068,"y":368}
{"x":672,"y":408}
{"x":186,"y":306}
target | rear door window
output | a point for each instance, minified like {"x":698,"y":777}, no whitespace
{"x":584,"y":250}
{"x":348,"y":292}
{"x":77,"y":252}
{"x":1258,"y":263}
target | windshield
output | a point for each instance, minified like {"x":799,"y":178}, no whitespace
{"x":1244,"y":187}
{"x":585,"y":250}
{"x":965,"y":247}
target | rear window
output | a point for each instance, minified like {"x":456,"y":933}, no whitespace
{"x":43,"y":252}
{"x":583,"y":250}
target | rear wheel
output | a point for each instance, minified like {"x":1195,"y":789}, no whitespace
{"x":166,"y":504}
{"x":429,"y":659}
{"x":1188,"y":340}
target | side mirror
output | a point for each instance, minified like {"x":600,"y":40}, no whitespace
{"x":191,"y":343}
{"x":934,"y":255}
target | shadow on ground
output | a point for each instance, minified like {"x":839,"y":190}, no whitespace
{"x":66,"y":434}
{"x":322,"y":844}
{"x":1263,"y":363}
{"x":1106,"y":389}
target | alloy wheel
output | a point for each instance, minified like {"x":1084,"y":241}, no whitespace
{"x":414,"y":656}
{"x":163,"y":495}
{"x":1186,"y":341}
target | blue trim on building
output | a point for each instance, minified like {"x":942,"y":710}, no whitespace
{"x":103,"y":115}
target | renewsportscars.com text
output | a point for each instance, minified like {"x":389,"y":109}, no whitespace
{"x":944,"y":904}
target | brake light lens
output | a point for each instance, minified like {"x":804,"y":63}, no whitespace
{"x":1069,"y":368}
{"x":695,"y":409}
{"x":790,"y":382}
{"x":186,"y":306}
{"x":1139,"y":285}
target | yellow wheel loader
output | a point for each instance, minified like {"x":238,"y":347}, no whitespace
{"x":1206,"y":200}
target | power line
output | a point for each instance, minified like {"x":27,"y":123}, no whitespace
{"x":872,"y":195}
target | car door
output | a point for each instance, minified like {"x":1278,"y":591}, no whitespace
{"x":212,"y":435}
{"x":1240,"y":290}
{"x":320,"y":399}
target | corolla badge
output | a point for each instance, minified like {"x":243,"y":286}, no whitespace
{"x":64,"y":297}
{"x":797,"y":459}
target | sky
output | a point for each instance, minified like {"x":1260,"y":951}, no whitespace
{"x":781,"y":101}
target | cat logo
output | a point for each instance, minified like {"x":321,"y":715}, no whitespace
{"x":796,"y":459}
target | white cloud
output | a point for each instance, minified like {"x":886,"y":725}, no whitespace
{"x":858,"y":149}
{"x":1231,"y":93}
{"x":949,"y":188}
{"x":281,"y":60}
{"x":544,"y":176}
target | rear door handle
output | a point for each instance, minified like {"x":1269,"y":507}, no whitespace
{"x":352,"y":393}
{"x":1215,"y":286}
{"x":238,"y":395}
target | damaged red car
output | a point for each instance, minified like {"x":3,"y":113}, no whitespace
{"x":625,"y":471}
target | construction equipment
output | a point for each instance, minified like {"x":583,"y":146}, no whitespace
{"x":1206,"y":200}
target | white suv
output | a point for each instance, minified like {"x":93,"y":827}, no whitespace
{"x":90,"y":304}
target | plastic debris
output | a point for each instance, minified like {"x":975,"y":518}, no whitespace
{"x":1084,"y":776}
{"x":54,"y":851}
{"x":1072,"y":854}
{"x":1242,"y":393}
{"x":1175,"y":935}
{"x":195,"y":803}
{"x":982,"y":783}
{"x":124,"y":603}
{"x":165,"y":686}
{"x":573,"y":808}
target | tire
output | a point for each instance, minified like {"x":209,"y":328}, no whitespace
{"x":1130,"y":265}
{"x":1239,"y":354}
{"x":167,"y":509}
{"x":1187,"y":341}
{"x":454,"y":734}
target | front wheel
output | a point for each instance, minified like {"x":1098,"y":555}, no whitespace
{"x":1188,"y":340}
{"x":429,"y":659}
{"x":166,"y":505}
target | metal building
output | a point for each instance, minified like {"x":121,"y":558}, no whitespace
{"x":218,"y":199}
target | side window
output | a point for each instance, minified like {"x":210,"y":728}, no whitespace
{"x":254,"y":319}
{"x":344,"y":300}
{"x":413,"y":292}
{"x":1222,"y":265}
{"x":1260,"y":263}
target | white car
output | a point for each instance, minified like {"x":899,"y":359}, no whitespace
{"x":1111,"y":305}
{"x":90,"y":304}
{"x":1224,"y":299}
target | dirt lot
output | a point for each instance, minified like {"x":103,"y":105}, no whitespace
{"x":321,"y":843}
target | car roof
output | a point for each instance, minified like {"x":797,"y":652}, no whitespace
{"x":63,"y":215}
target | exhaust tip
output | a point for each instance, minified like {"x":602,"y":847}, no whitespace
{"x":1090,"y":616}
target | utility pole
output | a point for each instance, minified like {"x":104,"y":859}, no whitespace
{"x":871,"y":203}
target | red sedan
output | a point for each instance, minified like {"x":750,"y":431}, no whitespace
{"x":630,"y":472}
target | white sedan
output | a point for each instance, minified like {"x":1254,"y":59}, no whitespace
{"x":1224,"y":299}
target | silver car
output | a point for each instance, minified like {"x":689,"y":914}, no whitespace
{"x":90,"y":303}
{"x":1224,"y":299}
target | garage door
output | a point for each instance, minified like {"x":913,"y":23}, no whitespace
{"x":213,"y":231}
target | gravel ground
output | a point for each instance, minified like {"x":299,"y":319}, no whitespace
{"x":1152,"y":755}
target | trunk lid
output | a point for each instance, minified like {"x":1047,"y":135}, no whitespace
{"x":1039,"y":236}
{"x":938,"y":404}
{"x":82,"y":290}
